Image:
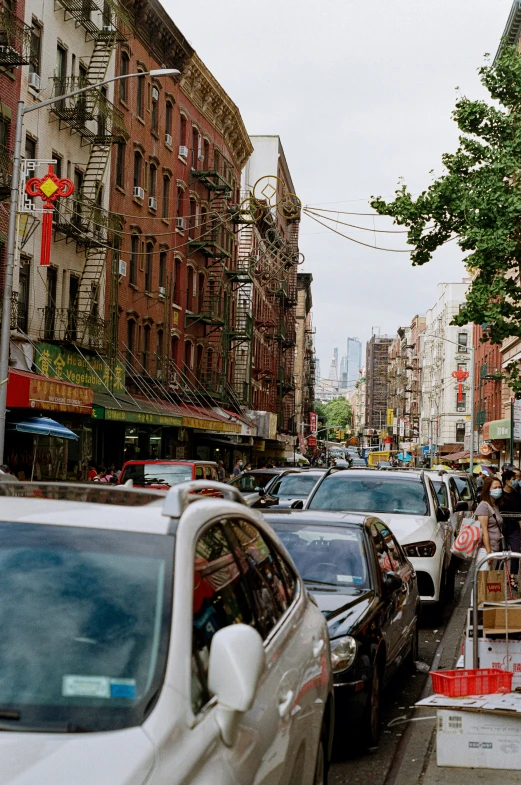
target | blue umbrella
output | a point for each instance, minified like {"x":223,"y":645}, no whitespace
{"x":44,"y":426}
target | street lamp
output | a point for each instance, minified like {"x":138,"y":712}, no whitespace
{"x":464,"y":348}
{"x":11,"y":231}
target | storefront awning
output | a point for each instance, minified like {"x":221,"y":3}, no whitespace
{"x":27,"y":390}
{"x":496,"y":429}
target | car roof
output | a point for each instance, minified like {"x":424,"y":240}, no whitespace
{"x":394,"y":473}
{"x":316,"y":516}
{"x":141,"y":461}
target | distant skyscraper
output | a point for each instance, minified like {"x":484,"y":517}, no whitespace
{"x":333,"y":368}
{"x":354,"y":361}
{"x":317,"y":369}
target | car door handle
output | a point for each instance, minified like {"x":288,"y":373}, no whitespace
{"x":318,"y":648}
{"x":285,"y":703}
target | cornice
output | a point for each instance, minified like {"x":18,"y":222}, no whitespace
{"x":205,"y":92}
{"x":156,"y":30}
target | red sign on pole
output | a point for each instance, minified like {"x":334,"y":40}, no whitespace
{"x":48,"y":188}
{"x":312,"y":441}
{"x":313,"y":422}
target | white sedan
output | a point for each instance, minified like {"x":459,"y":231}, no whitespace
{"x":159,"y":639}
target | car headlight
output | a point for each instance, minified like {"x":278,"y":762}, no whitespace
{"x":343,"y":653}
{"x":420,"y":549}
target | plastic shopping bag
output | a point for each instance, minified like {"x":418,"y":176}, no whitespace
{"x":467,"y":540}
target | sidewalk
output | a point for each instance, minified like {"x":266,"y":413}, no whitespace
{"x":415,"y":760}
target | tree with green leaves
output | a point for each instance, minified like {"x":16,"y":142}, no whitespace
{"x":477,"y":202}
{"x":338,"y":412}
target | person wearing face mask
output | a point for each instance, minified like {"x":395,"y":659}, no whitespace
{"x":511,"y":503}
{"x":490,"y":519}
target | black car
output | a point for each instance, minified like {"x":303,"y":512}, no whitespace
{"x":282,"y":487}
{"x":367,"y":590}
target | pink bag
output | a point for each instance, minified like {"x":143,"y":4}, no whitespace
{"x":467,"y":540}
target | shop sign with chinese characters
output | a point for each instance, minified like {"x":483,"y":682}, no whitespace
{"x":66,"y":364}
{"x":144,"y":418}
{"x":29,"y":391}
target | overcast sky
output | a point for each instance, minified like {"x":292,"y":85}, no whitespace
{"x":361,"y":93}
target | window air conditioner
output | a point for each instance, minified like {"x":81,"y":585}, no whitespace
{"x":122,"y":268}
{"x":109,"y":28}
{"x":180,"y":223}
{"x":168,"y":139}
{"x":35,"y":81}
{"x":139,"y":193}
{"x":183,"y":151}
{"x":162,"y":291}
{"x":152,"y":202}
{"x":155,"y":94}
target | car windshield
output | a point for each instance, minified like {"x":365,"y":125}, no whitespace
{"x":441,"y":492}
{"x":375,"y":493}
{"x":462,"y":485}
{"x":85,"y":620}
{"x":293,"y":486}
{"x":326,"y":554}
{"x":157,"y":473}
{"x":250,"y":481}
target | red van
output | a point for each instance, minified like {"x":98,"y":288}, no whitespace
{"x":162,"y":474}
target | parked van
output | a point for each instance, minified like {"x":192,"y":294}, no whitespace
{"x":163,"y":474}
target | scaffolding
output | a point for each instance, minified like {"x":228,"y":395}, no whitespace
{"x":377,"y":381}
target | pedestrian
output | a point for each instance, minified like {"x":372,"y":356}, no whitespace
{"x":237,"y":469}
{"x":511,"y":503}
{"x":221,"y":471}
{"x":92,"y":472}
{"x":490,"y":519}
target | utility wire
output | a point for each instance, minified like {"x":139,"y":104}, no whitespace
{"x":358,"y":242}
{"x":354,"y":226}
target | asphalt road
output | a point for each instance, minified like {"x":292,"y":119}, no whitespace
{"x":398,"y":699}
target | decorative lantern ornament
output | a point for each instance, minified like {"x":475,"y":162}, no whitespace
{"x":460,"y":375}
{"x":49,"y":188}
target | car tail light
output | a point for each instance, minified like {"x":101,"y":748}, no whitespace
{"x":420,"y":550}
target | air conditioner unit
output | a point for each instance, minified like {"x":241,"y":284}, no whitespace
{"x":155,"y":94}
{"x":139,"y":193}
{"x":168,"y":139}
{"x":183,"y":151}
{"x":109,"y":28}
{"x":7,"y":50}
{"x":162,"y":291}
{"x":35,"y":81}
{"x":152,"y":202}
{"x":180,"y":223}
{"x":200,"y":157}
{"x":122,"y":268}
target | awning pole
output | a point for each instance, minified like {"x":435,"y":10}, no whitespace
{"x":34,"y":456}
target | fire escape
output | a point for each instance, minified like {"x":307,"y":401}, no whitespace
{"x":217,"y":244}
{"x":100,"y":125}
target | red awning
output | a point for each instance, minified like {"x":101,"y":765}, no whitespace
{"x":27,"y":390}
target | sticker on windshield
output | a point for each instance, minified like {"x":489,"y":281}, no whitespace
{"x":345,"y":578}
{"x":98,"y":687}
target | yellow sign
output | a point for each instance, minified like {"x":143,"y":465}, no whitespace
{"x":211,"y":425}
{"x":390,"y":417}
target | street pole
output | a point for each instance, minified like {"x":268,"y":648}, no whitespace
{"x":5,"y":333}
{"x":512,"y":431}
{"x":472,"y":412}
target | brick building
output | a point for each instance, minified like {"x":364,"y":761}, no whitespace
{"x":487,"y":381}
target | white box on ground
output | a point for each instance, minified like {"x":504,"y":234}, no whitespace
{"x":493,"y":654}
{"x":478,"y":740}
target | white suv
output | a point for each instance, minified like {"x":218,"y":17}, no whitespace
{"x":407,"y":502}
{"x":155,"y":638}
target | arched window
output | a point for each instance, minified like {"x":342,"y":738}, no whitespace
{"x":177,"y":281}
{"x":134,"y":253}
{"x":152,"y":180}
{"x":195,"y":147}
{"x":193,"y":219}
{"x":124,"y":64}
{"x":138,"y":169}
{"x":175,"y":349}
{"x":154,"y":109}
{"x":201,"y":292}
{"x":131,"y":339}
{"x":199,"y":363}
{"x":188,"y":355}
{"x":120,"y":164}
{"x":179,"y":203}
{"x":146,"y":347}
{"x":163,"y":256}
{"x":165,"y":208}
{"x":182,"y":131}
{"x":206,"y":155}
{"x":168,"y":122}
{"x":149,"y":257}
{"x":140,"y":97}
{"x":189,"y":288}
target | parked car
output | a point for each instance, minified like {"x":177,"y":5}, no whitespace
{"x":384,"y":465}
{"x":291,"y":489}
{"x":254,"y":485}
{"x":455,"y":492}
{"x":408,"y":504}
{"x":358,"y":463}
{"x":226,"y":679}
{"x":367,"y":590}
{"x":163,"y":474}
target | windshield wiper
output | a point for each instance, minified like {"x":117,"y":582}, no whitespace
{"x":10,"y":721}
{"x":320,"y":583}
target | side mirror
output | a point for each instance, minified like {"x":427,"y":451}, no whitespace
{"x":392,"y":582}
{"x":462,"y":507}
{"x":298,"y":504}
{"x":261,"y":491}
{"x":443,"y":514}
{"x":237,"y":660}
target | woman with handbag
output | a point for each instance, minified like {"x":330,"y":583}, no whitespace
{"x":490,"y":519}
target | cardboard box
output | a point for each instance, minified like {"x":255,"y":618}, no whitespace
{"x":478,"y":740}
{"x":491,"y":586}
{"x":502,"y":620}
{"x":493,"y":654}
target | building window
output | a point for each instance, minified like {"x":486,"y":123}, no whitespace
{"x":168,"y":118}
{"x":152,"y":180}
{"x":201,"y":292}
{"x":165,"y":206}
{"x":140,"y":97}
{"x":189,"y":288}
{"x":206,"y":155}
{"x":463,"y":342}
{"x":177,"y":281}
{"x":22,"y":315}
{"x":146,"y":346}
{"x":120,"y":165}
{"x":193,"y":219}
{"x":162,"y":269}
{"x":124,"y":64}
{"x":5,"y":126}
{"x":154,"y":112}
{"x":195,"y":147}
{"x":138,"y":169}
{"x":61,"y":71}
{"x":148,"y":267}
{"x":461,"y":406}
{"x":182,"y":130}
{"x":159,"y":346}
{"x":175,"y":350}
{"x":179,"y":203}
{"x":134,"y":251}
{"x":36,"y":49}
{"x":131,"y":337}
{"x":188,"y":355}
{"x":460,"y":432}
{"x":30,"y":148}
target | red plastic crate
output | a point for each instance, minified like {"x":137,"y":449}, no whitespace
{"x":479,"y":681}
